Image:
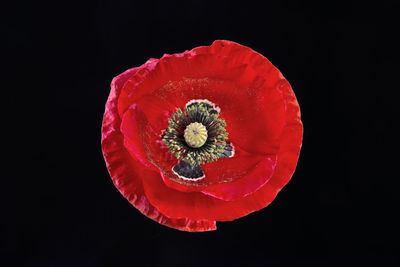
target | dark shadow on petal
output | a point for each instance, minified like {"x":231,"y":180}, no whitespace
{"x":228,"y":151}
{"x":187,"y":171}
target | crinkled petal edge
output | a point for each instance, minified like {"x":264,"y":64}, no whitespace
{"x":126,"y":171}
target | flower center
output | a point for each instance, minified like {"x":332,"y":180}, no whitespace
{"x":195,"y":135}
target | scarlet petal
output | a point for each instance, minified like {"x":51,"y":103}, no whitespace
{"x":227,"y":178}
{"x":126,"y":172}
{"x":237,"y":83}
{"x":229,"y":75}
{"x":255,"y":178}
{"x":143,"y":142}
{"x":157,"y":111}
{"x":197,"y":206}
{"x":234,"y":173}
{"x":235,"y":87}
{"x":133,"y":127}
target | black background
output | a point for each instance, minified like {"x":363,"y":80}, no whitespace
{"x":59,"y":206}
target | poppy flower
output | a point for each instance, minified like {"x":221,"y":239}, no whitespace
{"x":211,"y":134}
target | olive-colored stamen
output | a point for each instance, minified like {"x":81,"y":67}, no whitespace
{"x":196,"y":134}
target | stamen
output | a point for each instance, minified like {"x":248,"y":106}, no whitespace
{"x":196,"y":134}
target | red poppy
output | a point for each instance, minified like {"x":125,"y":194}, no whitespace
{"x":207,"y":135}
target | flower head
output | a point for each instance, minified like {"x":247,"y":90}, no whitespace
{"x":208,"y":135}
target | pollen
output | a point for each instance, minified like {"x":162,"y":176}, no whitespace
{"x":196,"y":134}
